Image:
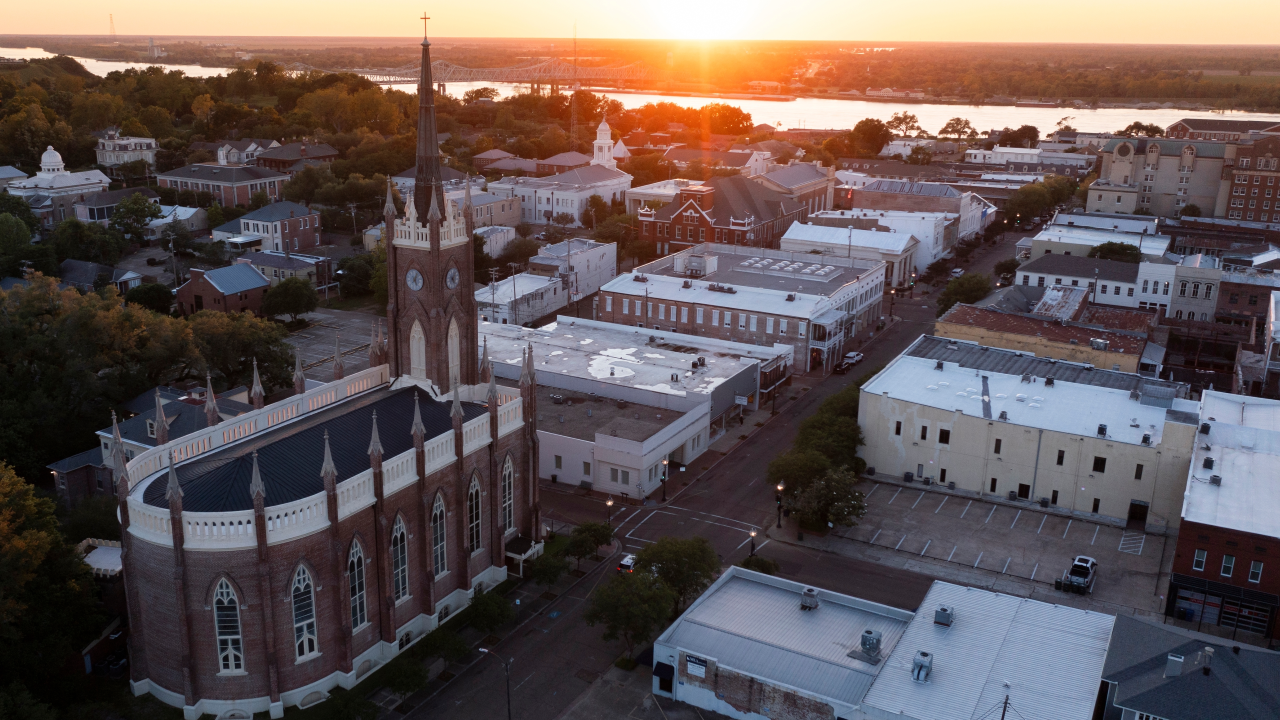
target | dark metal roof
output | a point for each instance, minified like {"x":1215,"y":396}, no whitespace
{"x":183,"y":418}
{"x":282,"y":210}
{"x":109,"y":198}
{"x":289,"y":457}
{"x":236,"y":278}
{"x":233,"y":174}
{"x":903,"y":187}
{"x":1082,"y":267}
{"x":92,"y":456}
{"x":298,"y":151}
{"x":737,"y":197}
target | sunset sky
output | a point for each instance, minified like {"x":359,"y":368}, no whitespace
{"x":1174,"y":21}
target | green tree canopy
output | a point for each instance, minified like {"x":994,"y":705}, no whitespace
{"x":1124,"y":252}
{"x":1141,"y":129}
{"x":1025,"y":136}
{"x":967,"y":289}
{"x":685,"y":565}
{"x":132,"y":215}
{"x":1008,"y":266}
{"x":153,"y":296}
{"x":229,"y":343}
{"x":18,"y":207}
{"x":293,"y":297}
{"x":958,"y":127}
{"x":547,"y":568}
{"x":489,"y":611}
{"x":1028,"y":201}
{"x":829,"y":499}
{"x":920,"y":155}
{"x":796,"y":468}
{"x":1192,"y":210}
{"x":77,"y":240}
{"x":632,"y":607}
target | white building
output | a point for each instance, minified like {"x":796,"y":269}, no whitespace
{"x":655,"y":195}
{"x":1110,"y":282}
{"x":496,"y":238}
{"x":937,"y":232}
{"x":585,"y":265}
{"x":897,"y":250}
{"x":616,"y":401}
{"x":1080,"y":239}
{"x":1097,"y":443}
{"x":115,"y":150}
{"x":1006,"y":155}
{"x":59,"y":186}
{"x":904,"y":146}
{"x":541,"y":199}
{"x":193,"y":218}
{"x":521,"y":299}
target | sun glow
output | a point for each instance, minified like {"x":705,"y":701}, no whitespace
{"x":708,"y":19}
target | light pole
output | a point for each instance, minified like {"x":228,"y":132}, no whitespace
{"x":753,"y":543}
{"x":892,"y":294}
{"x":608,"y":512}
{"x":779,"y":496}
{"x":664,"y":480}
{"x":506,"y":669}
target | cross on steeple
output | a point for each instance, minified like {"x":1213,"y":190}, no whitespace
{"x":424,"y":19}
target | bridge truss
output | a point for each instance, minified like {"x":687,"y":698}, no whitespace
{"x":547,"y":72}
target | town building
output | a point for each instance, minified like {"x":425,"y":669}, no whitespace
{"x":974,"y":212}
{"x":1156,"y":670}
{"x":279,"y":226}
{"x":114,"y":150}
{"x":1096,"y":443}
{"x":655,"y":195}
{"x":488,"y":157}
{"x":1027,"y":156}
{"x":238,"y":287}
{"x":10,"y":174}
{"x":291,"y":158}
{"x":731,"y":210}
{"x":1108,"y":282}
{"x":278,"y":266}
{"x":585,"y":265}
{"x":1220,"y":130}
{"x":808,"y":184}
{"x":100,"y":206}
{"x":495,"y":239}
{"x":857,"y":172}
{"x":287,"y":552}
{"x":194,"y":219}
{"x":938,"y":232}
{"x":521,"y":299}
{"x":230,"y":185}
{"x":1223,"y":571}
{"x":489,"y":209}
{"x":236,"y":152}
{"x":747,"y":163}
{"x":1079,"y":240}
{"x":1253,"y":182}
{"x":513,"y":166}
{"x":87,"y":276}
{"x":53,"y":192}
{"x":895,"y":93}
{"x":749,"y":295}
{"x":542,"y":199}
{"x":452,"y":180}
{"x":563,"y":162}
{"x":898,"y":251}
{"x":631,"y":398}
{"x":1162,"y":177}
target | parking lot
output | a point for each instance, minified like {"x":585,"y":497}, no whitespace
{"x":1021,"y":542}
{"x":315,"y":344}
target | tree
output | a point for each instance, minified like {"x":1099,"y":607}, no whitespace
{"x":1141,"y":129}
{"x":937,"y":269}
{"x":547,"y":568}
{"x":830,"y":499}
{"x":685,"y":565}
{"x":796,"y":468}
{"x":302,"y":187}
{"x":759,"y":564}
{"x":153,"y":296}
{"x":92,"y":517}
{"x":519,"y":251}
{"x":957,"y":127}
{"x":229,"y":342}
{"x":631,"y":606}
{"x":132,"y":215}
{"x":564,"y":220}
{"x":18,"y":207}
{"x":1025,"y":136}
{"x":920,"y":155}
{"x":580,"y":545}
{"x":77,"y":240}
{"x":524,"y":229}
{"x":837,"y":438}
{"x":1008,"y":266}
{"x":355,"y":275}
{"x":1122,"y":252}
{"x":202,"y":107}
{"x":15,"y":241}
{"x":597,"y":211}
{"x":903,"y":123}
{"x":1191,"y":210}
{"x":967,"y":289}
{"x":293,"y":297}
{"x":600,"y":533}
{"x":489,"y":611}
{"x":484,"y":93}
{"x":1028,"y":201}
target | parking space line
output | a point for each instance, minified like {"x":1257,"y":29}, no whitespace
{"x":895,"y":547}
{"x":1015,"y":519}
{"x":873,"y":537}
{"x":953,"y":553}
{"x":1005,"y":571}
{"x":722,"y":517}
{"x":966,"y":509}
{"x":761,"y":546}
{"x":1033,"y":571}
{"x":1064,"y":532}
{"x":895,"y":497}
{"x":744,"y":542}
{"x":917,"y":502}
{"x":993,"y":512}
{"x":926,"y":547}
{"x":873,"y":491}
{"x":1095,"y":535}
{"x":1042,"y":519}
{"x":975,"y":562}
{"x":944,"y":502}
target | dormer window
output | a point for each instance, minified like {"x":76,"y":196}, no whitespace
{"x":151,"y":428}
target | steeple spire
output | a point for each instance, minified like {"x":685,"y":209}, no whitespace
{"x":119,"y":462}
{"x":256,"y":396}
{"x":526,"y":371}
{"x":486,"y":371}
{"x":375,"y":444}
{"x":418,"y":430}
{"x":427,"y":190}
{"x":161,"y":422}
{"x":256,"y":488}
{"x":328,"y":471}
{"x":173,"y":490}
{"x":389,"y":207}
{"x":493,"y":386}
{"x":210,"y":402}
{"x":457,"y":404}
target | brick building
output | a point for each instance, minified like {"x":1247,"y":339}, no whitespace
{"x":235,"y":288}
{"x":1219,"y":130}
{"x":230,"y":185}
{"x":562,"y":163}
{"x":1226,"y":568}
{"x":280,"y":226}
{"x":277,"y":556}
{"x":293,"y":157}
{"x":809,"y":184}
{"x":733,"y":210}
{"x":1254,"y":194}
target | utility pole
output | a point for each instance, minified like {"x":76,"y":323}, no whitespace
{"x":352,"y":208}
{"x":493,"y":291}
{"x":573,"y":95}
{"x":1005,"y":709}
{"x":515,"y":297}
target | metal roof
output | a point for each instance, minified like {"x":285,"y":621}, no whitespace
{"x":901,"y":187}
{"x":233,"y":174}
{"x":1046,"y":658}
{"x":278,"y":211}
{"x":1082,"y":267}
{"x":236,"y":278}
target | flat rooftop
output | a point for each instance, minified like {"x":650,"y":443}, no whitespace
{"x":627,"y":356}
{"x":753,"y":623}
{"x":519,"y":285}
{"x":996,"y":321}
{"x":840,"y":238}
{"x":776,"y":270}
{"x":1244,"y":443}
{"x":579,"y":416}
{"x":1047,"y":659}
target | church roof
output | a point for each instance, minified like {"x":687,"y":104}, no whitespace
{"x":289,"y":456}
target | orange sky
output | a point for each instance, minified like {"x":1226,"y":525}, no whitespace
{"x":1173,"y":21}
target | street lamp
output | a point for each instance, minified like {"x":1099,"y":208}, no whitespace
{"x":892,"y":294}
{"x":506,"y":668}
{"x":753,"y":543}
{"x":779,"y":496}
{"x":608,"y":512}
{"x":664,"y":480}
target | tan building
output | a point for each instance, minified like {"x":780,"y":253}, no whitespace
{"x":1100,"y":444}
{"x":1043,"y":338}
{"x":1162,"y":177}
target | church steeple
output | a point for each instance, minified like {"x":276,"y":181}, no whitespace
{"x":427,"y":180}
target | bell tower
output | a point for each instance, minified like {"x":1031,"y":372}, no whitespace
{"x":431,"y":308}
{"x":603,"y":146}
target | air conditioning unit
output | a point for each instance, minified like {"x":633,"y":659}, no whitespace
{"x":943,"y":616}
{"x":809,"y":599}
{"x":1102,"y":431}
{"x":871,"y":642}
{"x":1215,"y":479}
{"x":1204,"y":428}
{"x":921,"y":666}
{"x":1208,"y":463}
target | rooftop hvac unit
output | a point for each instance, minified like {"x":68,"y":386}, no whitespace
{"x":1102,"y":431}
{"x":622,"y":404}
{"x":1004,"y":415}
{"x":809,"y":599}
{"x":1146,"y":438}
{"x":702,"y":361}
{"x":1215,"y":479}
{"x":938,"y":366}
{"x":1074,"y":341}
{"x":791,"y":297}
{"x":1208,"y":463}
{"x":639,"y":278}
{"x":1098,"y":344}
{"x":871,"y":642}
{"x":1026,"y":377}
{"x":694,"y":364}
{"x":1135,"y":395}
{"x":1048,"y":382}
{"x":687,"y":284}
{"x":1204,"y":428}
{"x":943,"y":616}
{"x":675,"y":377}
{"x":921,"y":666}
{"x":557,"y":399}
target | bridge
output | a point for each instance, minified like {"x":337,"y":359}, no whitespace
{"x":553,"y":72}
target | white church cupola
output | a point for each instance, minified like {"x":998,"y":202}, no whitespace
{"x":604,"y":147}
{"x":51,"y":162}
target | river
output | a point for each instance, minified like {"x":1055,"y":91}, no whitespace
{"x":803,"y":112}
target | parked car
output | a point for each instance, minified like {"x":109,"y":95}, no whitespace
{"x":1080,"y":577}
{"x":627,"y":563}
{"x":841,"y":367}
{"x":957,"y":272}
{"x":853,"y":358}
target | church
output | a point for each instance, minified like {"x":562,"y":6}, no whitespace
{"x":276,"y":555}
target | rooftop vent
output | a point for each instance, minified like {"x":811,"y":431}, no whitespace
{"x":1098,"y":344}
{"x":1102,"y":431}
{"x":809,"y":599}
{"x":938,"y":366}
{"x":639,"y":278}
{"x":675,"y":377}
{"x":1026,"y":377}
{"x":921,"y":666}
{"x":1048,"y":382}
{"x":943,"y":616}
{"x":1173,"y":665}
{"x":687,"y":284}
{"x":1215,"y":479}
{"x":871,"y":642}
{"x":622,"y":404}
{"x":1135,"y":395}
{"x":557,"y":399}
{"x":791,"y":297}
{"x":702,"y":361}
{"x":1204,"y":428}
{"x":1208,"y":463}
{"x":1146,"y":438}
{"x":1074,"y":341}
{"x":1004,"y":415}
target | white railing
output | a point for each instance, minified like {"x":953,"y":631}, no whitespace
{"x":149,"y":523}
{"x":218,"y":531}
{"x":399,"y":472}
{"x":506,"y":395}
{"x":439,"y":451}
{"x":355,"y":494}
{"x":184,"y":448}
{"x":510,"y":416}
{"x":298,"y":518}
{"x":475,"y":434}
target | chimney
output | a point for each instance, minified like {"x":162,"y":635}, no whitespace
{"x":1208,"y":658}
{"x":1173,"y":666}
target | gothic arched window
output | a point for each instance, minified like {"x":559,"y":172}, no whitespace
{"x":438,"y":558}
{"x":355,"y":580}
{"x":473,"y":517}
{"x":226,"y":620}
{"x":417,"y":351}
{"x":304,"y":614}
{"x":508,"y":495}
{"x":455,"y":353}
{"x":400,"y":560}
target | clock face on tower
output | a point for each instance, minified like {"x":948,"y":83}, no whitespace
{"x":451,"y":278}
{"x":414,"y":280}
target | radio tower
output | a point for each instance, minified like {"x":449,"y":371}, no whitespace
{"x":112,"y":19}
{"x":573,"y":96}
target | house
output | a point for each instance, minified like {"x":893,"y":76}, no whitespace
{"x":732,"y":209}
{"x":292,"y":157}
{"x":229,"y":185}
{"x":89,"y":276}
{"x":894,"y":93}
{"x":489,"y":209}
{"x":236,"y":152}
{"x":53,"y":192}
{"x":488,"y":157}
{"x":280,"y":226}
{"x":513,"y":165}
{"x":236,"y":288}
{"x":1220,"y":130}
{"x":563,"y":162}
{"x":1034,"y":156}
{"x":897,"y":250}
{"x":753,"y":295}
{"x":194,"y":219}
{"x":521,"y":299}
{"x":1098,"y":443}
{"x":808,"y":184}
{"x":99,"y":207}
{"x":655,"y":195}
{"x":747,"y":163}
{"x":10,"y":174}
{"x":277,"y":266}
{"x":115,"y":150}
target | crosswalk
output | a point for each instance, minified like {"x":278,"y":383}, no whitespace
{"x":1132,"y":543}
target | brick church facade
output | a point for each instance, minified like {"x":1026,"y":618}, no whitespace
{"x":280,"y":554}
